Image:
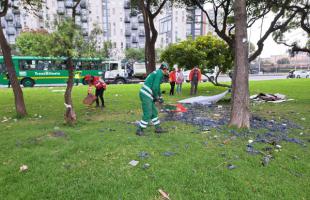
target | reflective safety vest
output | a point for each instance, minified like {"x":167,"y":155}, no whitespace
{"x":151,"y":87}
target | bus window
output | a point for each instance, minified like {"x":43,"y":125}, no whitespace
{"x":42,"y":65}
{"x":24,"y":65}
{"x":57,"y":65}
{"x":2,"y":68}
{"x":86,"y":65}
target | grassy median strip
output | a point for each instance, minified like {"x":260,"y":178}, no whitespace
{"x":90,"y":160}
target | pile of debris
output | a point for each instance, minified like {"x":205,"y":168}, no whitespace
{"x":273,"y":98}
{"x":216,"y":116}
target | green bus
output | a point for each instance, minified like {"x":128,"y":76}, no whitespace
{"x":49,"y":70}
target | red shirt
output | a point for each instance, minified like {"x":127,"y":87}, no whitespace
{"x":191,"y":74}
{"x":172,"y":76}
{"x":98,"y":83}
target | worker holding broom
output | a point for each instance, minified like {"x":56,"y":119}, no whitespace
{"x":149,"y":94}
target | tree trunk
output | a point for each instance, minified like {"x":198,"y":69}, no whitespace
{"x":18,"y":93}
{"x":70,"y":116}
{"x":240,"y":111}
{"x":151,"y":58}
{"x":151,"y":45}
{"x":150,"y":35}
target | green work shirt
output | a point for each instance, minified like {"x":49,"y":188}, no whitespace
{"x":152,"y":83}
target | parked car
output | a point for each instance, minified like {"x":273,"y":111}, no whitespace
{"x":301,"y":74}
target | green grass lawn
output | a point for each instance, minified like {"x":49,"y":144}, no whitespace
{"x":91,"y":162}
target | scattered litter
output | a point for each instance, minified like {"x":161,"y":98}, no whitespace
{"x":231,"y":167}
{"x":168,"y":153}
{"x":134,"y":163}
{"x":267,"y":131}
{"x":143,"y":155}
{"x":278,"y":146}
{"x":164,"y":194}
{"x":56,"y":128}
{"x":274,"y":98}
{"x":23,"y":168}
{"x":146,"y":166}
{"x":250,"y":149}
{"x":268,"y":149}
{"x":219,"y":106}
{"x":266,"y":159}
{"x":303,"y":119}
{"x":134,"y":123}
{"x":58,"y":133}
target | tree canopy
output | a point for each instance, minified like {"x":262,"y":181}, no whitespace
{"x":207,"y":52}
{"x":134,"y":54}
{"x":221,"y":17}
{"x":300,"y":22}
{"x":34,"y":43}
{"x":41,"y":43}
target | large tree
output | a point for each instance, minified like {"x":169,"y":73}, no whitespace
{"x":6,"y":51}
{"x":149,"y":9}
{"x":240,"y":115}
{"x":134,"y":54}
{"x":70,"y":115}
{"x":223,"y":20}
{"x":66,"y":40}
{"x":208,"y":52}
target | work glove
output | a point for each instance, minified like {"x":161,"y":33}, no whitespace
{"x":160,"y":100}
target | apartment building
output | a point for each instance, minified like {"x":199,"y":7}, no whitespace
{"x":119,"y":22}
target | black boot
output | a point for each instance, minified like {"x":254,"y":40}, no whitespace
{"x":159,"y":130}
{"x":140,"y":132}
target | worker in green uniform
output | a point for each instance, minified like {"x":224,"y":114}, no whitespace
{"x":149,"y":94}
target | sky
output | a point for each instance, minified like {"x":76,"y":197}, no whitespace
{"x":271,"y":47}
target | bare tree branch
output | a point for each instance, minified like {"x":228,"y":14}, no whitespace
{"x":159,"y":8}
{"x":5,"y":8}
{"x":273,"y":27}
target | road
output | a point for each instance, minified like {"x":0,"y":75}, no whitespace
{"x":255,"y":77}
{"x":223,"y":78}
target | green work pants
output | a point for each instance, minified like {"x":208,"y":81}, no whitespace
{"x":150,"y":112}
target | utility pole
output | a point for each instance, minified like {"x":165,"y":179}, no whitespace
{"x":260,"y":36}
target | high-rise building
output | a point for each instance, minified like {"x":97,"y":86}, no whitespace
{"x":120,"y":23}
